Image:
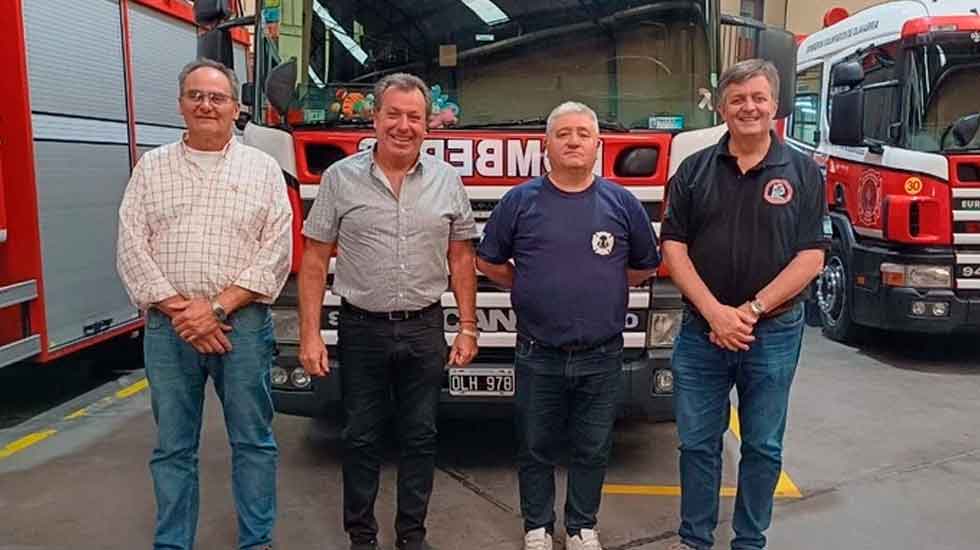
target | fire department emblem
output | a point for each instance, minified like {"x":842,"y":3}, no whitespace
{"x":602,"y":243}
{"x":869,"y":198}
{"x":778,"y":192}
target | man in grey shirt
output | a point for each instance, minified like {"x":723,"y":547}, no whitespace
{"x":395,"y":215}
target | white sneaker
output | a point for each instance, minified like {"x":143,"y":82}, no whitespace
{"x":538,"y":539}
{"x":587,"y":539}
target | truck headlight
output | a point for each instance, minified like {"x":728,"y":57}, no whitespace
{"x":286,"y":325}
{"x":916,"y":276}
{"x":663,"y":328}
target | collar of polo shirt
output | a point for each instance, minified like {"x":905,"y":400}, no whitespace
{"x":778,"y":155}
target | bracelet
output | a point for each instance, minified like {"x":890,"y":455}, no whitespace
{"x":471,"y":333}
{"x":467,"y":321}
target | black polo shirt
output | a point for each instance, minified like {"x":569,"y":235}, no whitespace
{"x":742,"y":230}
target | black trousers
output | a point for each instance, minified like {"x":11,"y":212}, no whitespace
{"x":389,"y":366}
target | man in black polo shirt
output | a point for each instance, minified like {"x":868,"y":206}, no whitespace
{"x":743,"y":236}
{"x":577,"y":241}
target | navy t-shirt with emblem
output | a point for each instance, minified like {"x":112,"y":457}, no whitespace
{"x":571,"y":252}
{"x":742,"y":230}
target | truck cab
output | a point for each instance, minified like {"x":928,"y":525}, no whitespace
{"x":886,"y":104}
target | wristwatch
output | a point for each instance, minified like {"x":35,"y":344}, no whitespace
{"x":757,"y":307}
{"x":219,"y":312}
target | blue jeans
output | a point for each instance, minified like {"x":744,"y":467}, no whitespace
{"x":703,"y":378}
{"x":565,"y":398}
{"x":178,"y":374}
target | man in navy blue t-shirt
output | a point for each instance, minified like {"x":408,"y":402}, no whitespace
{"x":569,"y":245}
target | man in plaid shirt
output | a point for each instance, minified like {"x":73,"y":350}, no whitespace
{"x":204,"y":248}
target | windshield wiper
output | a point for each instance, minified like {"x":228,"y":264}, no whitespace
{"x":538,"y":121}
{"x":608,"y":125}
{"x":336,"y":123}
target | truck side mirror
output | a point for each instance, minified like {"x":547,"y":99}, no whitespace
{"x":207,"y":12}
{"x":216,"y":45}
{"x":280,"y":85}
{"x":847,"y":119}
{"x":248,"y":94}
{"x":848,"y":74}
{"x":779,"y":47}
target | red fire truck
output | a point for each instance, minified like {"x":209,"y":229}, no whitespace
{"x":886,"y":102}
{"x":648,"y":68}
{"x":87,"y":87}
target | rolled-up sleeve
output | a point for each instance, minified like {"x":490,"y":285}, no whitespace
{"x":141,"y":276}
{"x":323,"y":221}
{"x":463,"y":226}
{"x":270,"y":267}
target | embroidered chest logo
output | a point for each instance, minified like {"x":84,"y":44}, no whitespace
{"x":778,"y":192}
{"x":603,"y":242}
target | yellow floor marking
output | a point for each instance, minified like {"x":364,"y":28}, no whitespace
{"x":28,"y":440}
{"x":32,"y":439}
{"x":78,"y":414}
{"x":733,"y":425}
{"x":785,"y":488}
{"x":132,"y":389}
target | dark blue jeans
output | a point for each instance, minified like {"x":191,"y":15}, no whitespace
{"x":389,"y":365}
{"x":703,"y":378}
{"x":178,"y":374}
{"x":565,"y":400}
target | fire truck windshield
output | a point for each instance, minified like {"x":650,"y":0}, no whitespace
{"x":943,"y":79}
{"x":638,"y":64}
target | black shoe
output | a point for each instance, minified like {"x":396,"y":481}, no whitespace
{"x":373,"y":545}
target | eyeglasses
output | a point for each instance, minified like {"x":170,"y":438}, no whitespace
{"x":198,"y":97}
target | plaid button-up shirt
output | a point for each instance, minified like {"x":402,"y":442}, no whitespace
{"x":391,"y":251}
{"x":195,"y":232}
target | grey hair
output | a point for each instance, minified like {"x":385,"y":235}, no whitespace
{"x":406,"y":83}
{"x":208,"y":64}
{"x":568,"y":108}
{"x":745,"y":70}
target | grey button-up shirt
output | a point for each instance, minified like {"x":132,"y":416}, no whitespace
{"x":392,"y":251}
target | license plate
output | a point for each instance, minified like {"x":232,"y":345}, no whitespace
{"x":481,"y":382}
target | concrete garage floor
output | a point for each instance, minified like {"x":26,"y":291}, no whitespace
{"x":883,"y":445}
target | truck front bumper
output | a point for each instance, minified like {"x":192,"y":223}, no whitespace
{"x":895,"y":308}
{"x":640,"y":398}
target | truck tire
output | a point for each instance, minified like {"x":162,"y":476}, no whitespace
{"x":834,"y":297}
